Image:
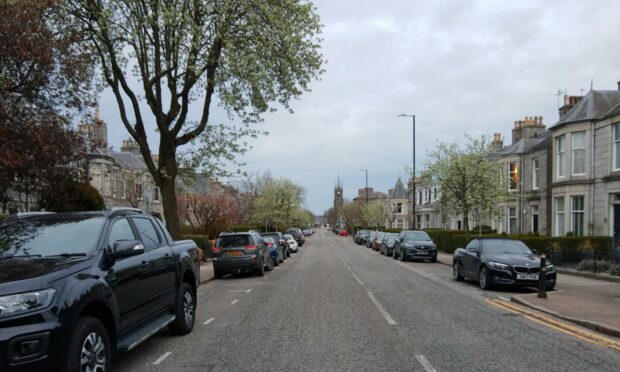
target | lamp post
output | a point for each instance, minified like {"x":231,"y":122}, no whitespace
{"x":366,"y":170}
{"x":413,"y":221}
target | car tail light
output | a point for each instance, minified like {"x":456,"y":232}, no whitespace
{"x":250,"y":247}
{"x":269,"y":245}
{"x":216,"y":249}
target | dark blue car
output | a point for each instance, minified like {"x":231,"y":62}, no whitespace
{"x":276,"y":250}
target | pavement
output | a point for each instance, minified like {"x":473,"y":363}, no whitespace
{"x":591,"y":303}
{"x":336,"y":306}
{"x":206,"y":272}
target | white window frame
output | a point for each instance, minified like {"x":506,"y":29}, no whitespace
{"x":573,"y":214}
{"x":575,"y":150}
{"x":510,"y":178}
{"x":560,"y":151}
{"x":615,"y":144}
{"x":512,"y":217}
{"x":560,"y":216}
{"x":535,"y":173}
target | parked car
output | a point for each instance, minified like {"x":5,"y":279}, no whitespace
{"x":343,"y":233}
{"x":361,"y":237}
{"x":276,"y":250}
{"x":497,"y":261}
{"x":371,"y":238}
{"x":297,"y":234}
{"x":387,"y":244}
{"x":78,"y":288}
{"x":280,"y":237}
{"x":241,"y":252}
{"x":414,"y":244}
{"x":292,"y":243}
{"x":376,"y":244}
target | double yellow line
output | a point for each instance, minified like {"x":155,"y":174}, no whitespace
{"x":557,"y":325}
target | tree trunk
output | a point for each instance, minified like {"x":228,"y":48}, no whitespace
{"x":466,"y":224}
{"x":169,"y":202}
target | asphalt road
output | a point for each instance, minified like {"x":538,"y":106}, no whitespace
{"x":336,"y":306}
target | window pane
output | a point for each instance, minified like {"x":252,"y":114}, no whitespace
{"x":147,"y":231}
{"x":579,"y":161}
{"x":121,"y":230}
{"x":617,"y":132}
{"x":559,"y":205}
{"x":579,"y":140}
{"x":617,"y":149}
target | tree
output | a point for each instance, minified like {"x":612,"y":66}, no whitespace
{"x":278,"y":205}
{"x":134,"y":187}
{"x":210,"y":214}
{"x":352,"y":215}
{"x":375,"y":213}
{"x":250,"y":54}
{"x":468,"y":178}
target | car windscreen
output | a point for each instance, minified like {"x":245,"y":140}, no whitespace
{"x":504,"y":246}
{"x":233,"y":241}
{"x":50,"y":236}
{"x":274,"y":236}
{"x":417,"y":236}
{"x":289,"y":237}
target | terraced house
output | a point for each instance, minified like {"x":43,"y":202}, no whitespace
{"x":585,"y":182}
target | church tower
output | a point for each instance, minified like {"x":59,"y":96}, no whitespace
{"x":338,"y":200}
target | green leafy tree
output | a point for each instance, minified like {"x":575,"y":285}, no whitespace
{"x":72,"y":196}
{"x":278,"y":205}
{"x":248,"y":56}
{"x":469,"y":180}
{"x":375,"y":213}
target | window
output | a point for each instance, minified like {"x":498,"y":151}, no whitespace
{"x":579,"y":153}
{"x":577,"y":210}
{"x":399,"y":208}
{"x":559,"y":216}
{"x":513,"y":175}
{"x":156,"y":193}
{"x":147,"y":232}
{"x":121,"y":230}
{"x":560,"y":144}
{"x":512,"y":220}
{"x":399,"y":224}
{"x":535,"y":172}
{"x":473,"y":245}
{"x":616,"y":146}
{"x":434,"y":193}
{"x":427,"y":222}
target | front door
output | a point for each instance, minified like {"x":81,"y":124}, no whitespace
{"x":616,"y":226}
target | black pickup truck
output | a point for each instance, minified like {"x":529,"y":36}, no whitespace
{"x":78,"y":288}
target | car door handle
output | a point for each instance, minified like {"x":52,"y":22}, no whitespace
{"x":144,"y":265}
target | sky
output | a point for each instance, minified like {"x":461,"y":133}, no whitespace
{"x":460,"y":66}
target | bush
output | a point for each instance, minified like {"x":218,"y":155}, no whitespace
{"x":245,"y":228}
{"x":72,"y":196}
{"x":203,"y":243}
{"x":589,"y":265}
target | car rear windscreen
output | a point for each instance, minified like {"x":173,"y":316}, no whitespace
{"x":233,"y":241}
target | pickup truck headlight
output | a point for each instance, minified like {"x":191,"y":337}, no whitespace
{"x":497,"y":265}
{"x":25,"y":302}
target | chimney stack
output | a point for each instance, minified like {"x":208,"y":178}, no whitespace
{"x":618,"y":85}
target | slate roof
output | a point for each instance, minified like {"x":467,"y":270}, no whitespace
{"x":398,"y":192}
{"x":129,"y":160}
{"x":524,"y":145}
{"x":594,"y":105}
{"x":614,"y":112}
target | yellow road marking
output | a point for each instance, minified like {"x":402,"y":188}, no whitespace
{"x":557,"y":325}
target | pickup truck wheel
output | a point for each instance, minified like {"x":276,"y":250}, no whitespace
{"x":89,"y":348}
{"x":218,"y":274}
{"x":185,"y":311}
{"x":456,"y":272}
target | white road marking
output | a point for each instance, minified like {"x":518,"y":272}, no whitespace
{"x":504,"y":298}
{"x":208,"y":321}
{"x":234,"y":302}
{"x":381,"y":309}
{"x":356,"y":278}
{"x":424,"y":362}
{"x":241,"y":291}
{"x":162,"y":358}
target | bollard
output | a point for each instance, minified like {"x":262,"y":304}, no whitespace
{"x":542,"y":282}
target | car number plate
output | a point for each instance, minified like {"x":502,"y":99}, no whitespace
{"x":234,"y":253}
{"x":423,"y":253}
{"x":527,"y":276}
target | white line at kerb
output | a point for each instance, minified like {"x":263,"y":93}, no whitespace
{"x":162,"y":358}
{"x":234,"y":302}
{"x":381,"y":309}
{"x":208,"y":321}
{"x":424,"y":362}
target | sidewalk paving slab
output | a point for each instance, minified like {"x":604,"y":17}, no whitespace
{"x":206,"y":272}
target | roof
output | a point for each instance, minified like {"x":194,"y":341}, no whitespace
{"x":129,"y":160}
{"x":594,"y":105}
{"x":614,"y":112}
{"x":399,"y":190}
{"x":524,"y":145}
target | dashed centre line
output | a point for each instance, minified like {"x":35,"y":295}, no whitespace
{"x":234,"y":302}
{"x":385,"y":314}
{"x":424,"y":362}
{"x":162,"y":358}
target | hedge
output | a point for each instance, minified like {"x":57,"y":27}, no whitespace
{"x":202,"y":241}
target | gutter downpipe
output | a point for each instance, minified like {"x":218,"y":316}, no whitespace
{"x":592,"y":169}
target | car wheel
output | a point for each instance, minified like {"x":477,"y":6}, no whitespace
{"x":485,"y":280}
{"x":288,"y":253}
{"x":282,"y":257}
{"x":434,"y":259}
{"x":89,"y":347}
{"x":270,"y":264}
{"x":218,"y":274}
{"x":394,"y":254}
{"x":456,"y":272}
{"x":260,"y":271}
{"x":185,"y":311}
{"x":276,"y":262}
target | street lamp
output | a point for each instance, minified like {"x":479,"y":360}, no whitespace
{"x":413,"y":173}
{"x":366,"y":170}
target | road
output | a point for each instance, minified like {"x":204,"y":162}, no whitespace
{"x":336,"y":306}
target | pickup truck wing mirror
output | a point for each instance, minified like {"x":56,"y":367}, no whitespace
{"x":127,"y":248}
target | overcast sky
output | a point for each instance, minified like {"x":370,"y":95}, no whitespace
{"x":461,"y":66}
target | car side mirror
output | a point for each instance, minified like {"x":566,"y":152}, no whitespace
{"x":534,"y":250}
{"x":127,"y":248}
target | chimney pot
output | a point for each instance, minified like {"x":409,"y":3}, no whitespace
{"x":618,"y":85}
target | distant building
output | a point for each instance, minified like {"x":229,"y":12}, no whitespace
{"x":338,"y":201}
{"x":399,"y":207}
